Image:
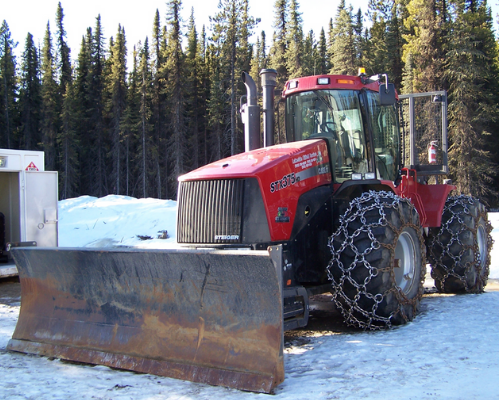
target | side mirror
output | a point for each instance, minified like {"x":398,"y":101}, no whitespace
{"x":387,"y":94}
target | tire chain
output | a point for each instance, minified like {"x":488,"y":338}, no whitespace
{"x":464,"y":201}
{"x":357,"y":209}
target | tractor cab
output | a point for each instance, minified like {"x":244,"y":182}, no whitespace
{"x":363,"y":135}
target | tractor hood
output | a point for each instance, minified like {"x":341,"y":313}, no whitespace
{"x":283,"y":172}
{"x":290,"y":157}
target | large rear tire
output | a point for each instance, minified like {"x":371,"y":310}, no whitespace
{"x":378,"y":261}
{"x":459,"y":251}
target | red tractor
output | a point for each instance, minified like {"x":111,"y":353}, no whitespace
{"x":344,"y":205}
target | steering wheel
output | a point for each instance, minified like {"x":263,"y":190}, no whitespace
{"x":329,"y":127}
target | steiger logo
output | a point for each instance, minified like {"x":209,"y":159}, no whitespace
{"x":226,"y":237}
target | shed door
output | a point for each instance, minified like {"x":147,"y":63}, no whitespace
{"x":41,"y":195}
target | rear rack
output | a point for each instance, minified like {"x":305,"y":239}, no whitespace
{"x":423,"y":120}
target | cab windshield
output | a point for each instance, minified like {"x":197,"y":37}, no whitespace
{"x":333,"y":115}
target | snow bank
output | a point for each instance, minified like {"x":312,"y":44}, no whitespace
{"x":116,"y":221}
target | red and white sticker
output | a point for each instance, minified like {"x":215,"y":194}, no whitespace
{"x":31,"y":167}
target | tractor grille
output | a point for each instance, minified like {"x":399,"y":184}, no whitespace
{"x":210,"y":211}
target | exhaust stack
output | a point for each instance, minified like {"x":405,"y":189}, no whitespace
{"x":268,"y":83}
{"x":250,"y":113}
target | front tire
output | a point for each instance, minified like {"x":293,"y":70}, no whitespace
{"x":459,"y":251}
{"x":378,"y":261}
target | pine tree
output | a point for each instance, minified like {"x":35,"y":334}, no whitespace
{"x":295,"y":51}
{"x":175,"y":93}
{"x":216,"y":105}
{"x":376,"y":52}
{"x":81,"y":114}
{"x":30,"y":97}
{"x":407,"y":76}
{"x":134,"y":129}
{"x":424,"y":43}
{"x":230,"y":33}
{"x":358,"y":39}
{"x":259,"y":60}
{"x":244,"y":49}
{"x":473,"y":109}
{"x":343,"y":50}
{"x":310,"y":57}
{"x":330,"y":44}
{"x":264,"y":60}
{"x":158,"y":107}
{"x":117,"y":90}
{"x":145,"y":115}
{"x":50,"y":107}
{"x":203,"y":95}
{"x":129,"y":135}
{"x":68,"y":147}
{"x":64,"y":52}
{"x":67,"y":143}
{"x":89,"y":113}
{"x":193,"y":84}
{"x":96,"y":161}
{"x":255,"y":62}
{"x":277,"y":54}
{"x":8,"y":87}
{"x":322,"y":64}
{"x":395,"y":42}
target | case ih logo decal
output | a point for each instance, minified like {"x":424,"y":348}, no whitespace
{"x":323,"y":169}
{"x":286,"y":181}
{"x":282,"y":215}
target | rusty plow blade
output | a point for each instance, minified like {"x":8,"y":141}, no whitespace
{"x":206,"y":316}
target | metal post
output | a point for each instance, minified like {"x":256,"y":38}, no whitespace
{"x":412,"y":133}
{"x":444,"y":134}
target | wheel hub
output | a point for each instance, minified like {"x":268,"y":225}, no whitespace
{"x":482,"y":245}
{"x":405,"y":262}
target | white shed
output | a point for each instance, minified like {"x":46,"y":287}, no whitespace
{"x":28,"y":204}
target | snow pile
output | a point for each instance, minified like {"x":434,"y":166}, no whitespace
{"x":116,"y":221}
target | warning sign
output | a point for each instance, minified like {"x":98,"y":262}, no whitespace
{"x":31,"y":167}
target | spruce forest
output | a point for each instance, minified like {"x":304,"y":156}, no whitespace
{"x":128,"y":119}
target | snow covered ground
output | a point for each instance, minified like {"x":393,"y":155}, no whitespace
{"x":116,"y":221}
{"x":448,"y":352}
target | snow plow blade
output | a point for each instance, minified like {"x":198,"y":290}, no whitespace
{"x":205,"y":316}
